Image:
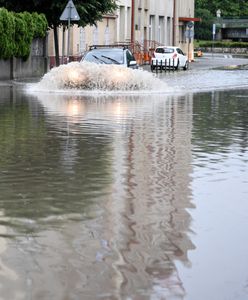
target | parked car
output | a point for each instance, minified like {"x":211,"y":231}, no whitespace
{"x":169,"y":57}
{"x":110,"y":55}
{"x":198,"y":52}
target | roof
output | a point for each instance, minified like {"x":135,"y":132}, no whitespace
{"x":232,"y":22}
{"x":188,"y":19}
{"x":117,"y":46}
{"x":167,"y":47}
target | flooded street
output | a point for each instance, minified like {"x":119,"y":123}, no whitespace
{"x":126,"y":196}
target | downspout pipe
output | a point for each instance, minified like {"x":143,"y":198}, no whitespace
{"x":132,"y":22}
{"x":174,"y":22}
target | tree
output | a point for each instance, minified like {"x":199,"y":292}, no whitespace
{"x":203,"y":29}
{"x":17,"y":30}
{"x":90,"y":11}
{"x":206,"y":10}
{"x":7,"y":34}
{"x":229,"y":8}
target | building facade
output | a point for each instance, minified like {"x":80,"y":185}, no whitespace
{"x":143,"y":23}
{"x":235,"y":29}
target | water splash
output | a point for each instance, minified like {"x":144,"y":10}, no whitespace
{"x":90,"y":76}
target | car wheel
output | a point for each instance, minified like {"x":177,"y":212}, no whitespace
{"x":186,"y":66}
{"x":177,"y":66}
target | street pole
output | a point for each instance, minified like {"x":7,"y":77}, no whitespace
{"x":68,"y":42}
{"x":213,"y":32}
{"x":69,"y":14}
{"x":174,"y":23}
{"x":63,"y":45}
{"x":132,"y":23}
{"x":189,"y":41}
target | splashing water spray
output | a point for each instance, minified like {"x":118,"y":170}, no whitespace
{"x":88,"y":76}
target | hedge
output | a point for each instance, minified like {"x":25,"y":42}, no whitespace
{"x":222,"y":44}
{"x":17,"y":30}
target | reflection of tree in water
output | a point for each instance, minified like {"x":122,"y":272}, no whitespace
{"x":36,"y":181}
{"x":220,"y":119}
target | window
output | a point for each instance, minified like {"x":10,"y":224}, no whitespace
{"x":164,"y":50}
{"x":179,"y":51}
{"x":130,"y":57}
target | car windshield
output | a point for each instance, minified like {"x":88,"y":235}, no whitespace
{"x":164,"y":50}
{"x":105,"y":56}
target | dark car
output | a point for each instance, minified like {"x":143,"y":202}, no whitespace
{"x":111,"y":55}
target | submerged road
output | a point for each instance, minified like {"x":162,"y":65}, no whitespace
{"x":210,"y":61}
{"x":208,"y":73}
{"x":126,"y":196}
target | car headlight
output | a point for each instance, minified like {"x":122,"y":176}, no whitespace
{"x":73,"y":76}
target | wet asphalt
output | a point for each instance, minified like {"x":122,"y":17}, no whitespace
{"x":211,"y":61}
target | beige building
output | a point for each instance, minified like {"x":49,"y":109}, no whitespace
{"x":145,"y":23}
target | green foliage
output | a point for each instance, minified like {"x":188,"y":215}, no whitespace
{"x":24,"y":30}
{"x":229,"y":8}
{"x":207,"y":11}
{"x":220,"y":44}
{"x":203,"y":29}
{"x":40,"y":24}
{"x":90,"y":11}
{"x":17,"y":30}
{"x":7,"y":34}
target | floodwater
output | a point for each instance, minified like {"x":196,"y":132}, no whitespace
{"x":118,"y":196}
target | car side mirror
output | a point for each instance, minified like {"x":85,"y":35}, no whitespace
{"x":132,"y":63}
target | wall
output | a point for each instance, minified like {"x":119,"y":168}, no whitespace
{"x":154,"y":25}
{"x":81,"y":38}
{"x":185,"y":9}
{"x":5,"y":69}
{"x":156,"y":20}
{"x":35,"y":66}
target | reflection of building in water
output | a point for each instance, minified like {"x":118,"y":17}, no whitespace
{"x":140,"y":225}
{"x":148,"y":211}
{"x":146,"y":224}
